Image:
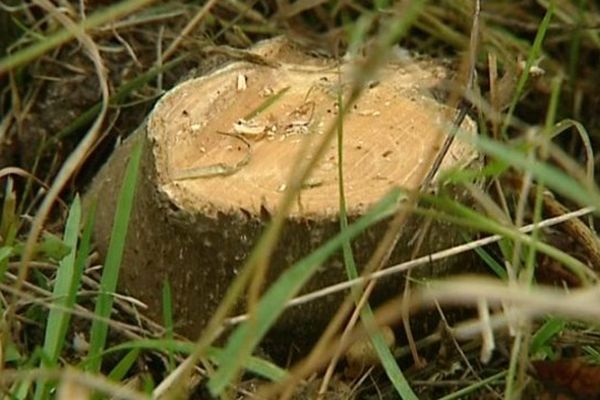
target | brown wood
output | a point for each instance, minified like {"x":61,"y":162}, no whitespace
{"x":212,"y":176}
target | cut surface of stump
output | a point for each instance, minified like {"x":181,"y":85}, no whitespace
{"x":219,"y":153}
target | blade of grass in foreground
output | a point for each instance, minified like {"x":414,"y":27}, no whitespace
{"x":255,"y":365}
{"x":554,"y":178}
{"x":397,"y":27}
{"x":272,"y":304}
{"x":385,"y":355}
{"x":68,"y":281}
{"x":65,"y":290}
{"x":110,"y":273}
{"x":462,"y":215}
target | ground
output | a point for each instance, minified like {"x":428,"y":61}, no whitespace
{"x":537,"y":74}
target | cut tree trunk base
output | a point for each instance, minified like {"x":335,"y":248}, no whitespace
{"x":213,"y":174}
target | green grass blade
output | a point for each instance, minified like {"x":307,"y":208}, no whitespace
{"x":9,"y":223}
{"x":390,"y":366}
{"x":268,"y":102}
{"x":65,"y":290}
{"x":167,"y":301}
{"x":384,"y":353}
{"x":491,"y":263}
{"x":532,"y":56}
{"x":553,"y":177}
{"x":68,"y":281}
{"x":62,"y":36}
{"x":255,"y":365}
{"x":85,"y":246}
{"x":124,"y":365}
{"x":116,"y":99}
{"x":20,"y":390}
{"x":9,"y":211}
{"x":110,"y":273}
{"x":465,"y":216}
{"x":258,"y":260}
{"x":575,"y":45}
{"x":5,"y":253}
{"x":592,"y":353}
{"x":547,"y":331}
{"x":271,"y":305}
{"x":465,"y":392}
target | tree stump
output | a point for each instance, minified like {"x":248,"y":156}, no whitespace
{"x":216,"y":162}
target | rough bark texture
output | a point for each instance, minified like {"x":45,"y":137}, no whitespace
{"x":197,"y":233}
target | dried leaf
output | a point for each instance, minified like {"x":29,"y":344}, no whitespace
{"x":575,"y":377}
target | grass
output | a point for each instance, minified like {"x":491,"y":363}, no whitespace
{"x":114,"y":254}
{"x":287,"y":286}
{"x":65,"y":290}
{"x":547,"y":139}
{"x":376,"y":337}
{"x":46,"y":44}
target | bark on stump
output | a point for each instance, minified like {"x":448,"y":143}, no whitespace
{"x":212,"y":176}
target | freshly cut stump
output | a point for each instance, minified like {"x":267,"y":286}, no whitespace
{"x":216,"y":164}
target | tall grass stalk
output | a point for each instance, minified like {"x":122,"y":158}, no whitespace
{"x":112,"y":264}
{"x":62,"y":36}
{"x":388,"y":362}
{"x":272,"y":303}
{"x":65,"y":290}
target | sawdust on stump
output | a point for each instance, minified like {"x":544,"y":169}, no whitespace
{"x":213,"y":174}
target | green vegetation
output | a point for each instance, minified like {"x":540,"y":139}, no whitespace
{"x":64,"y":325}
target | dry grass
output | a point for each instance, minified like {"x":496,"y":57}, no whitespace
{"x":77,"y":81}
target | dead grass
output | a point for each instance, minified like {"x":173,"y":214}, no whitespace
{"x":62,"y":117}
